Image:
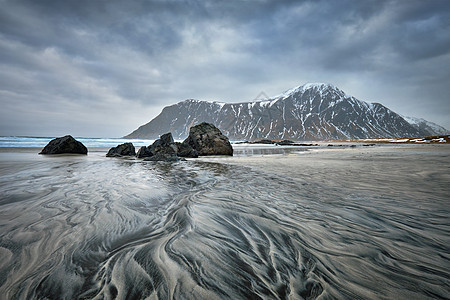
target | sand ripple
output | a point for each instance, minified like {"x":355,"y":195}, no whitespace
{"x":96,"y":228}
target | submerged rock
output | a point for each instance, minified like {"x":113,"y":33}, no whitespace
{"x":126,"y":149}
{"x":208,"y":140}
{"x":65,"y":144}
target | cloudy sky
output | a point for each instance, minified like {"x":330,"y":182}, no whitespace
{"x":100,"y":68}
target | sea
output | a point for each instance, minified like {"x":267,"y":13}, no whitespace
{"x":29,"y":141}
{"x":318,"y":222}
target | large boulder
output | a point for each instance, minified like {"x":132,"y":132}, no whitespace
{"x":126,"y":149}
{"x":65,"y":144}
{"x":208,"y":140}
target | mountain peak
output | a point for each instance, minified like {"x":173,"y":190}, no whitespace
{"x":313,"y":86}
{"x":317,"y":85}
{"x":191,"y":101}
{"x":313,"y":111}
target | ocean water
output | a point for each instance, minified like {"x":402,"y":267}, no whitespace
{"x":359,"y":223}
{"x":19,"y":141}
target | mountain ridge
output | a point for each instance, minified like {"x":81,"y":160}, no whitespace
{"x":426,"y":125}
{"x":313,"y":111}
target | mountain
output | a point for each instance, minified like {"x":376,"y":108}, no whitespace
{"x":424,"y":125}
{"x":314,"y":111}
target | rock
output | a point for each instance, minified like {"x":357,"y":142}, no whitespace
{"x":166,"y":139}
{"x":144,"y":152}
{"x":164,"y":145}
{"x":163,"y":149}
{"x":268,"y":142}
{"x":66,"y":144}
{"x":286,"y":143}
{"x":185,"y":150}
{"x":208,"y":140}
{"x":126,"y":149}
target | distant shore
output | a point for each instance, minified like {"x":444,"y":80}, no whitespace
{"x":416,"y":140}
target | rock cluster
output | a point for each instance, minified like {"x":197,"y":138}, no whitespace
{"x":163,"y":149}
{"x":203,"y":139}
{"x":65,"y":144}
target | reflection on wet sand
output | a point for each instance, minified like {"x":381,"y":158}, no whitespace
{"x":353,"y":223}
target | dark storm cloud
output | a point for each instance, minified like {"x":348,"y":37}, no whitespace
{"x":87,"y":64}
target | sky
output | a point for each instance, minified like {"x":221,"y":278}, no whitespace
{"x":102,"y":68}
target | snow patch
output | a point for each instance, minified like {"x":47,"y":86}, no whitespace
{"x":220,"y":104}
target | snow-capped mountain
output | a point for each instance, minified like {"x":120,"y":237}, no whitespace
{"x":314,"y":111}
{"x":424,"y":125}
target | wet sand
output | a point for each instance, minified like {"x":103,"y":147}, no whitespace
{"x":322,"y":223}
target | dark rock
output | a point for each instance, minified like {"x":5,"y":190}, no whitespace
{"x":166,"y":139}
{"x":208,"y":140}
{"x":66,"y":144}
{"x":144,"y":152}
{"x":126,"y":149}
{"x":163,"y":149}
{"x":185,"y":150}
{"x":164,"y":145}
{"x":268,"y":142}
{"x":286,"y":143}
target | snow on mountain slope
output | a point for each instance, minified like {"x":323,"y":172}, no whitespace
{"x":314,"y":111}
{"x":424,"y":125}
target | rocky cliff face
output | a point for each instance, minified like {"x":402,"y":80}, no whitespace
{"x":309,"y":112}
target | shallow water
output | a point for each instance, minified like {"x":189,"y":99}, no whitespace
{"x":322,"y":224}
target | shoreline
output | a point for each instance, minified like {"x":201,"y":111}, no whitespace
{"x":257,"y":154}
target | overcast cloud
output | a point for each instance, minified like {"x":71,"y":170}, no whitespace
{"x":103,"y":68}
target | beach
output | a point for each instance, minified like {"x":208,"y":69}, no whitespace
{"x":319,"y":222}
